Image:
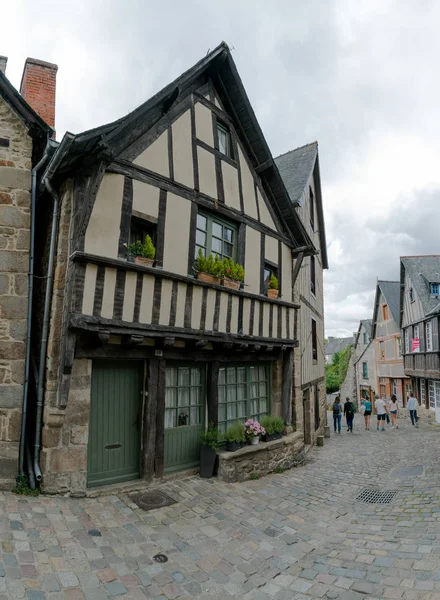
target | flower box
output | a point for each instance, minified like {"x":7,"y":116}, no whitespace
{"x":230,"y":283}
{"x":234,"y":446}
{"x":142,"y":260}
{"x":208,"y":278}
{"x":269,"y":437}
{"x":272,"y":294}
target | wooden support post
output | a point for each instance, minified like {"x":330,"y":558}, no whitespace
{"x":149,"y":430}
{"x":212,"y":392}
{"x":160,"y":421}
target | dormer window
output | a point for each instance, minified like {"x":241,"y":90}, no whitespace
{"x":435,"y":289}
{"x":411,"y":294}
{"x":224,"y":140}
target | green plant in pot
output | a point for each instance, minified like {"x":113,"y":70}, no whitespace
{"x":274,"y":427}
{"x":208,"y":450}
{"x":235,"y":437}
{"x":233,"y":274}
{"x":144,"y":253}
{"x":208,"y":269}
{"x":272,"y":288}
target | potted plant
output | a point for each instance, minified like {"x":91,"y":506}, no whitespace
{"x":143,"y":253}
{"x":208,"y":450}
{"x":274,"y":427}
{"x":233,"y":274}
{"x":272,"y":288}
{"x":253,"y":430}
{"x":235,"y":437}
{"x":208,"y":269}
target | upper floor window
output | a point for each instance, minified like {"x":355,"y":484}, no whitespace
{"x":269,"y":270}
{"x":365,"y":338}
{"x":411,"y":295}
{"x":428,"y":336}
{"x":365,"y":370}
{"x":382,"y":349}
{"x":215,"y":236}
{"x":312,"y":275}
{"x":435,"y":289}
{"x":407,"y":348}
{"x":399,"y":347}
{"x":385,"y":312}
{"x":312,"y":208}
{"x":314,"y":341}
{"x":139,"y":229}
{"x":224,"y":140}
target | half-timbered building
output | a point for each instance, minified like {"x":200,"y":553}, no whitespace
{"x":141,"y":358}
{"x":420,"y":309}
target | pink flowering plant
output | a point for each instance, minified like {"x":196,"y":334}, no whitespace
{"x":253,"y":429}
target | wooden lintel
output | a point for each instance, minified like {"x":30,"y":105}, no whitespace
{"x":201,"y":343}
{"x":103,"y":336}
{"x":269,"y":348}
{"x":168,"y":342}
{"x":243,"y":346}
{"x":133,"y":340}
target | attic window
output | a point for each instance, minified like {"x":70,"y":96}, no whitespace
{"x":385,"y":312}
{"x":435,"y":289}
{"x":312,"y":209}
{"x":224,"y":140}
{"x":411,"y":294}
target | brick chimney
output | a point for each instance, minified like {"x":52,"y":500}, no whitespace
{"x":3,"y":62}
{"x":38,"y":84}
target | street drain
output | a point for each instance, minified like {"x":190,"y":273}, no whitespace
{"x":160,"y":558}
{"x":152,"y":500}
{"x":376,"y":497}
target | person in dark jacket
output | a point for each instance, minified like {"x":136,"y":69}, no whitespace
{"x":349,"y":414}
{"x":337,"y":414}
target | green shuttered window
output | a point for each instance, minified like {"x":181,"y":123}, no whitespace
{"x":243,"y":393}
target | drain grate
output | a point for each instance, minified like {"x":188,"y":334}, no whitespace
{"x":152,"y":500}
{"x":376,"y":497}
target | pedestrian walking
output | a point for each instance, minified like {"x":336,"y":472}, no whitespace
{"x":412,"y":405}
{"x":387,"y":402}
{"x":367,"y":414}
{"x":381,"y":411}
{"x":394,"y":411}
{"x":349,"y":414}
{"x":337,"y":414}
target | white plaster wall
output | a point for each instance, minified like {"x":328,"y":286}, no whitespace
{"x":177,"y":221}
{"x":155,"y":157}
{"x":182,"y":150}
{"x":146,"y":198}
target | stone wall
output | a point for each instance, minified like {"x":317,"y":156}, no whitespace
{"x":348,"y":387}
{"x":15,"y":198}
{"x":65,"y":436}
{"x":262,"y":459}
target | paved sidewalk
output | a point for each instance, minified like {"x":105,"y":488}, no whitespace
{"x":290,"y":536}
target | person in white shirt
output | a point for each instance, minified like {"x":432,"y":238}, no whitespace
{"x":412,"y":405}
{"x":381,"y":411}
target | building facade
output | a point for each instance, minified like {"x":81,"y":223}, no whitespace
{"x":391,"y":378}
{"x":420,"y":309}
{"x":141,"y":358}
{"x":24,"y":129}
{"x":360,"y":381}
{"x":335,"y":344}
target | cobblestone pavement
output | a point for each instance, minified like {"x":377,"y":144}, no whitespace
{"x":291,"y":536}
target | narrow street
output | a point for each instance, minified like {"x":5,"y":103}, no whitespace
{"x":296,"y":535}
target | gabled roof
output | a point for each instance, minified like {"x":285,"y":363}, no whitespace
{"x":36,"y":125}
{"x":367,"y":324}
{"x":422,"y":270}
{"x":296,"y":168}
{"x":391,"y":292}
{"x":110,"y":140}
{"x":337,"y":344}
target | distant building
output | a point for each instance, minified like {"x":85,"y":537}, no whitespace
{"x":420,"y":308}
{"x":391,"y":378}
{"x":334,"y":345}
{"x":360,"y":380}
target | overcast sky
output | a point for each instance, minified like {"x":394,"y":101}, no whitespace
{"x":359,"y":77}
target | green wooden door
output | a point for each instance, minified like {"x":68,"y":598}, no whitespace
{"x":184,"y":416}
{"x":115,"y":422}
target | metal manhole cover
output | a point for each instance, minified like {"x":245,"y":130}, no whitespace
{"x":376,"y":497}
{"x":152,"y":500}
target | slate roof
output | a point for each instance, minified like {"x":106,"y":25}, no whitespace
{"x":391,"y":292}
{"x":337,"y":344}
{"x":422,"y":271}
{"x":295,"y":168}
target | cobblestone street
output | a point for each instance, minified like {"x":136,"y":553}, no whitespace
{"x":296,"y":535}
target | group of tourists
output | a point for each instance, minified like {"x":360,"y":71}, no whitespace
{"x":386,"y":410}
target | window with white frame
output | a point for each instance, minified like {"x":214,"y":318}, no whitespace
{"x":395,"y":387}
{"x":435,"y":289}
{"x":416,"y":336}
{"x":428,"y":336}
{"x":407,"y":348}
{"x":422,"y":392}
{"x":399,"y":347}
{"x":434,"y":394}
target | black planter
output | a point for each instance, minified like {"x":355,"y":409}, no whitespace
{"x":207,"y":461}
{"x":273,"y":436}
{"x":233,"y":446}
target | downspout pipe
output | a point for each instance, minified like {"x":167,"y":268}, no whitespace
{"x":21,"y":459}
{"x":45,"y":329}
{"x":46,"y":182}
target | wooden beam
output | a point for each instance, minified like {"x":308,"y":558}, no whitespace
{"x":103,"y":336}
{"x":287,"y":387}
{"x":160,"y":421}
{"x":150,"y":419}
{"x":132,"y":340}
{"x":297,"y":268}
{"x":212,"y":392}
